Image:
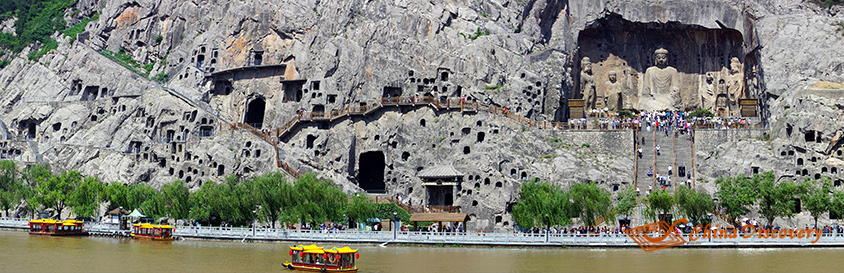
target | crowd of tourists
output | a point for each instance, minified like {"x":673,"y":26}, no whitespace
{"x":665,"y":121}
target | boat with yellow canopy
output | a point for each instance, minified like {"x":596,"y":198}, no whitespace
{"x":318,"y":259}
{"x":152,"y":232}
{"x":57,"y":227}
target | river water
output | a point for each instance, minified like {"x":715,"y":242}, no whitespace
{"x":20,"y":252}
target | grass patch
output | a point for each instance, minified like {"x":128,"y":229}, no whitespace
{"x":71,"y":32}
{"x":125,"y":60}
{"x":478,"y":33}
{"x":493,"y":87}
{"x":161,"y":77}
{"x":46,"y":46}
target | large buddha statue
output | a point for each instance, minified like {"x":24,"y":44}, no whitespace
{"x":660,"y":86}
{"x":587,"y":83}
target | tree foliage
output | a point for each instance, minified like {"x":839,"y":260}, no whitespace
{"x":85,"y":199}
{"x":775,"y":199}
{"x":815,"y":197}
{"x":541,"y":204}
{"x":736,"y":195}
{"x":10,"y":186}
{"x":176,"y":197}
{"x":56,"y":190}
{"x":317,"y":201}
{"x":626,"y":201}
{"x":273,"y":195}
{"x":836,"y":205}
{"x":590,"y":202}
{"x":360,"y":208}
{"x":37,"y":20}
{"x":693,"y":204}
{"x":660,"y":202}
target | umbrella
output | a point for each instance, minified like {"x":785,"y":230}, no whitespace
{"x":136,"y":213}
{"x":376,"y":220}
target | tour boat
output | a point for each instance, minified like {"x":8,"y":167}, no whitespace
{"x":152,"y":232}
{"x":318,"y":259}
{"x":57,"y":227}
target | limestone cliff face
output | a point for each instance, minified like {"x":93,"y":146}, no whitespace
{"x":263,"y":61}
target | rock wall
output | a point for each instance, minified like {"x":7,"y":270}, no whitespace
{"x":83,"y":111}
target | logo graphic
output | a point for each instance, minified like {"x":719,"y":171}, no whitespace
{"x":657,"y":235}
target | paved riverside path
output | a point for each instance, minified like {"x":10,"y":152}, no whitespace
{"x":441,"y":238}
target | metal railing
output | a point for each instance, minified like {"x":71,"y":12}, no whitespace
{"x":833,"y":238}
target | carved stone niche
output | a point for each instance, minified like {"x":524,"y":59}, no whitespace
{"x":688,"y":67}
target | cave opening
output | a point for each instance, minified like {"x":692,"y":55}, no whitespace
{"x":626,"y":48}
{"x":440,"y":195}
{"x":391,"y":91}
{"x":255,"y":113}
{"x":371,"y":172}
{"x":310,"y":141}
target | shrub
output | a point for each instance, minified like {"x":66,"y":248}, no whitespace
{"x":161,"y":77}
{"x":702,"y":113}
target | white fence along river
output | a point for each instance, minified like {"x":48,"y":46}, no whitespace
{"x":455,"y":238}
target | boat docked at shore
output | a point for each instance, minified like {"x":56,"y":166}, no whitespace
{"x":148,"y":231}
{"x":57,"y":227}
{"x":318,"y":259}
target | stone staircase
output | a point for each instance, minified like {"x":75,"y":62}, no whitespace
{"x":646,"y":160}
{"x":675,"y":150}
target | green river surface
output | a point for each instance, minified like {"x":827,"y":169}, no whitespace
{"x":21,"y":252}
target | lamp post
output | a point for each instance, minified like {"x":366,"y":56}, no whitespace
{"x":395,"y":222}
{"x":255,"y":219}
{"x":547,"y":227}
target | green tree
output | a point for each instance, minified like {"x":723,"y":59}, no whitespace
{"x":836,"y":205}
{"x":590,"y":202}
{"x":693,"y":204}
{"x":660,"y":202}
{"x":10,"y":186}
{"x":237,"y":206}
{"x":202,"y":204}
{"x":816,"y":197}
{"x":33,"y":176}
{"x":138,"y":194}
{"x":317,"y":200}
{"x":542,"y":204}
{"x":736,"y":195}
{"x":36,"y":174}
{"x":117,"y":195}
{"x":176,"y":199}
{"x":85,"y":199}
{"x":360,"y":208}
{"x":626,"y":201}
{"x":227,"y":203}
{"x":55,"y":191}
{"x":775,"y":199}
{"x":273,"y":195}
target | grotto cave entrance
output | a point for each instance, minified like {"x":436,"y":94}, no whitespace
{"x":440,"y":195}
{"x":371,"y":172}
{"x":613,"y":43}
{"x":255,"y":113}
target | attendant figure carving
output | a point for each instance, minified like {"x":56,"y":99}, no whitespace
{"x":735,"y":83}
{"x":613,"y":91}
{"x":587,"y":83}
